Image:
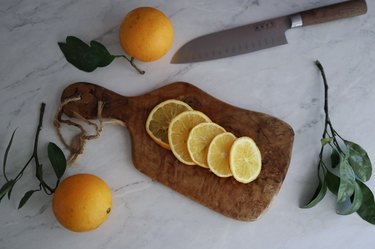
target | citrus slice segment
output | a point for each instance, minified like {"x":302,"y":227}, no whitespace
{"x":160,"y":117}
{"x":245,"y":160}
{"x":178,"y":133}
{"x":199,"y":140}
{"x":218,"y":154}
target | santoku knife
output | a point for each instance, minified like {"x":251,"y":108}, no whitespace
{"x":261,"y":35}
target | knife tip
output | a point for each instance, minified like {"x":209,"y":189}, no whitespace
{"x":174,"y":60}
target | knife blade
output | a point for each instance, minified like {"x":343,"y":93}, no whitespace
{"x":261,"y":35}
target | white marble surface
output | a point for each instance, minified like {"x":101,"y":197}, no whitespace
{"x":282,"y":81}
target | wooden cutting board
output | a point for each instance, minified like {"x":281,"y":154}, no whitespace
{"x":224,"y":195}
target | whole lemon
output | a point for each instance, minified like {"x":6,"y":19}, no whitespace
{"x":82,"y":202}
{"x":146,"y":34}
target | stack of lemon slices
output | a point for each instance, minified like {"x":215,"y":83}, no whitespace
{"x":195,"y":140}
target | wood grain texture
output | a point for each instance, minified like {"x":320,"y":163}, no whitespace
{"x":334,"y":12}
{"x":224,"y":195}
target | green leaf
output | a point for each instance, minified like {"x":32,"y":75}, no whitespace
{"x":10,"y":190}
{"x":359,"y":161}
{"x":78,"y":54}
{"x":347,"y":181}
{"x":84,"y":57}
{"x":367,"y":209}
{"x":335,"y":158}
{"x":326,"y":140}
{"x":25,"y":198}
{"x":356,"y":201}
{"x":333,"y":182}
{"x":102,"y":52}
{"x":7,"y":151}
{"x":57,"y":159}
{"x":6,"y":187}
{"x":320,"y":191}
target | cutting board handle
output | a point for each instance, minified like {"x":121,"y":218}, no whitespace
{"x":331,"y":12}
{"x":86,"y":97}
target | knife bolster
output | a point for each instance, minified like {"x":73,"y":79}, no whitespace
{"x":296,"y":21}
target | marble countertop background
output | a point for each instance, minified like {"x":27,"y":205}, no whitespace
{"x":282,"y":82}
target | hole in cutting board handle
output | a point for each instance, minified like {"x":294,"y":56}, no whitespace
{"x":90,"y":95}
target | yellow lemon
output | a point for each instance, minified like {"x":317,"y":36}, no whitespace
{"x":218,"y":154}
{"x":199,"y":140}
{"x":160,"y":117}
{"x":178,"y":133}
{"x":245,"y":160}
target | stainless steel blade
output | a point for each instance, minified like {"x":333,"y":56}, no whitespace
{"x":236,"y":41}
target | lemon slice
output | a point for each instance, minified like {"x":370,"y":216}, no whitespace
{"x":245,"y":160}
{"x":218,"y":154}
{"x":199,"y":140}
{"x":160,"y":117}
{"x":178,"y":133}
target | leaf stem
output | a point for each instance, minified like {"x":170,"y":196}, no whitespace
{"x":131,"y":61}
{"x":338,"y":135}
{"x":47,"y":189}
{"x":328,"y":123}
{"x":39,"y":128}
{"x":7,"y":188}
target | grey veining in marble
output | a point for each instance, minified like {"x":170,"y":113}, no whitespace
{"x":281,"y":81}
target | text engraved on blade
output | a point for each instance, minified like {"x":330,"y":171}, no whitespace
{"x":264,"y":25}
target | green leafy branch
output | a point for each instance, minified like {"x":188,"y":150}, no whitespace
{"x":89,"y":57}
{"x":56,"y":158}
{"x":353,"y":166}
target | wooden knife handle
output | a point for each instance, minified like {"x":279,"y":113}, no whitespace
{"x":333,"y":12}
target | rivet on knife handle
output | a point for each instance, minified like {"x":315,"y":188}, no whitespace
{"x":330,"y":13}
